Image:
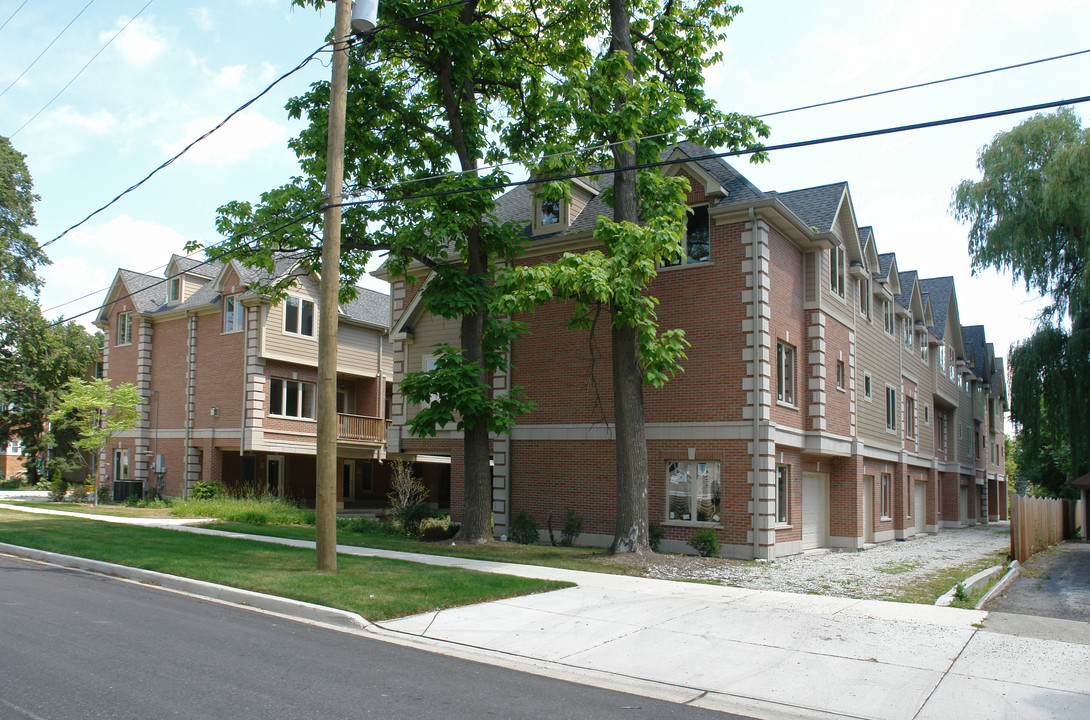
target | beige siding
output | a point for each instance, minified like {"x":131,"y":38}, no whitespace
{"x":289,"y":347}
{"x":428,"y":332}
{"x":579,"y":200}
{"x":358,"y":350}
{"x":810,"y":266}
{"x":877,"y":355}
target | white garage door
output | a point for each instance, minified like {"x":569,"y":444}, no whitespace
{"x":920,"y":506}
{"x":815,"y":511}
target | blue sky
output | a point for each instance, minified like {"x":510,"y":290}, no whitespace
{"x":181,"y":67}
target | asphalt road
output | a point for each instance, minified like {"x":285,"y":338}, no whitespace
{"x":78,"y":645}
{"x":1054,"y":584}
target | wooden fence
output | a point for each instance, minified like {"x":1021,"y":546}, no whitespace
{"x":1038,"y":523}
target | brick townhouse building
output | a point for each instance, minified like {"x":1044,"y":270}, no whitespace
{"x":228,"y":380}
{"x":829,"y":399}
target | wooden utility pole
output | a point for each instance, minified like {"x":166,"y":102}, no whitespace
{"x":329,"y":309}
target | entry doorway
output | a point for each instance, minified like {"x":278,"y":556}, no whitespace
{"x":815,"y":511}
{"x":274,"y":475}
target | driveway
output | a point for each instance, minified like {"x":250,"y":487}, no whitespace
{"x":1054,"y":583}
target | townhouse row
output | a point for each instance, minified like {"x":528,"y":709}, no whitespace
{"x":829,"y":398}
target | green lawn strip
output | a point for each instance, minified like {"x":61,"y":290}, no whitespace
{"x":375,"y":588}
{"x":569,"y":558}
{"x":927,"y":590}
{"x":111,"y":510}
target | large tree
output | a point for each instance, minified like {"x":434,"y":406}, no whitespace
{"x":19,"y":252}
{"x":1030,"y":214}
{"x":632,"y":98}
{"x":429,"y":96}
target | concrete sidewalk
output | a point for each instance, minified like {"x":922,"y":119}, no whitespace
{"x":759,"y":653}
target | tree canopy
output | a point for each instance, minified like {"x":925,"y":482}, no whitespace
{"x":19,"y":252}
{"x":1030,"y":214}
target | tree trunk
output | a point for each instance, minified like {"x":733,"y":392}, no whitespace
{"x":477,"y":507}
{"x":631,"y":442}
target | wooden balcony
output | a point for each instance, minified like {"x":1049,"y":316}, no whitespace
{"x":361,"y":429}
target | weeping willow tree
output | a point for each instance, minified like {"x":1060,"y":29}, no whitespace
{"x":1030,"y":214}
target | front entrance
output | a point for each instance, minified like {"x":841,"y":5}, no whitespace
{"x":920,"y":507}
{"x":815,"y":511}
{"x":274,"y":475}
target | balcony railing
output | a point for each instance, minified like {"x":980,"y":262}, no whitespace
{"x":358,"y":428}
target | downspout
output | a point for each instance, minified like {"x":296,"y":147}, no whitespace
{"x":756,"y":346}
{"x":188,"y":397}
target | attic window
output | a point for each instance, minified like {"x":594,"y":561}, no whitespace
{"x":175,"y":289}
{"x":837,"y":270}
{"x":550,"y":212}
{"x":696,"y":246}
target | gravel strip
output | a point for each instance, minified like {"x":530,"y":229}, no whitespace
{"x":872,"y":574}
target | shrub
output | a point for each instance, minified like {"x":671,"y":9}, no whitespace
{"x":705,"y":542}
{"x":368,"y":526}
{"x":436,"y":529}
{"x":573,"y":525}
{"x":79,"y":492}
{"x":58,"y":487}
{"x":105,"y":497}
{"x":206,"y":490}
{"x":960,"y":593}
{"x":410,"y":517}
{"x":655,"y":536}
{"x":246,"y":510}
{"x":524,"y":529}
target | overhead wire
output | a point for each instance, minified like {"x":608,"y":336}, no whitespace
{"x":13,"y":14}
{"x":85,"y":66}
{"x":638,"y":166}
{"x":43,"y":52}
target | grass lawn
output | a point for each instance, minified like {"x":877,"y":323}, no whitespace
{"x":375,"y":588}
{"x":112,"y":510}
{"x":569,"y":558}
{"x":935,"y":585}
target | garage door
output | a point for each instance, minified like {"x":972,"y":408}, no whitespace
{"x":920,"y":506}
{"x":815,"y":511}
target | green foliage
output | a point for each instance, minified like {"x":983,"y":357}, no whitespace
{"x":207,"y":490}
{"x":524,"y":529}
{"x":410,"y":517}
{"x":14,"y":483}
{"x":79,"y":492}
{"x":1030,"y":214}
{"x":98,"y":410}
{"x":20,"y":255}
{"x":369,"y":526}
{"x":58,"y":487}
{"x":655,"y":535}
{"x":105,"y":496}
{"x":573,"y":526}
{"x":705,"y":542}
{"x":436,"y":529}
{"x":260,"y":511}
{"x":960,"y":593}
{"x":151,"y":501}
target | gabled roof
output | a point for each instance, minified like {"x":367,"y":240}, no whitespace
{"x":907,"y":281}
{"x":941,"y":291}
{"x":885,"y":262}
{"x":369,"y":306}
{"x":816,"y":206}
{"x":207,"y":269}
{"x":976,"y":349}
{"x":148,"y":293}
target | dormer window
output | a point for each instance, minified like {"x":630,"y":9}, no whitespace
{"x":551,"y":215}
{"x":550,"y":212}
{"x":175,"y":289}
{"x":696,"y":245}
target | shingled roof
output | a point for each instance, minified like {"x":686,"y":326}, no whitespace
{"x":369,"y":306}
{"x":906,"y":279}
{"x":939,"y":289}
{"x":816,"y":206}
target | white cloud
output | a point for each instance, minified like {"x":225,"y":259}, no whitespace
{"x":1030,"y":12}
{"x":97,"y":122}
{"x":140,"y":43}
{"x":229,"y":76}
{"x":203,"y":18}
{"x":268,"y":71}
{"x":244,"y":134}
{"x":126,"y":242}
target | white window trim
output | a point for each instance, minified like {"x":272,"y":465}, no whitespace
{"x":125,"y":317}
{"x":838,"y":270}
{"x":694,"y":474}
{"x":175,"y":290}
{"x":279,"y":412}
{"x":892,"y":409}
{"x":783,"y":350}
{"x":563,"y":217}
{"x":885,"y":501}
{"x":868,"y":387}
{"x":313,"y":314}
{"x":782,"y":519}
{"x":121,"y":462}
{"x":239,"y":313}
{"x":683,"y":260}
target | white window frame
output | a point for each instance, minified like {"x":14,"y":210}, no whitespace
{"x":124,"y":329}
{"x":175,"y":289}
{"x":841,"y":375}
{"x":234,"y":320}
{"x":864,"y":297}
{"x":783,"y":495}
{"x":303,"y":305}
{"x":886,"y":509}
{"x":838,"y":262}
{"x":908,"y":332}
{"x":890,"y":318}
{"x":923,"y":348}
{"x":697,"y":473}
{"x":892,"y":408}
{"x":867,"y":385}
{"x":298,"y":388}
{"x":122,"y":468}
{"x":785,"y":373}
{"x":427,"y":364}
{"x":910,"y":416}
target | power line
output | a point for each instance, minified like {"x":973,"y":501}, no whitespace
{"x":93,"y":58}
{"x":43,"y":52}
{"x":13,"y":14}
{"x":640,"y":166}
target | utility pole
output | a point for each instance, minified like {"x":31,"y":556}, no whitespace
{"x":329,"y":309}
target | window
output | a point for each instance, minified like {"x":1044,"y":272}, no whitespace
{"x":121,"y":464}
{"x":430,"y":363}
{"x":910,"y":416}
{"x":950,"y":367}
{"x":785,"y":373}
{"x":299,"y":316}
{"x":926,"y":414}
{"x":693,"y":491}
{"x":864,"y":297}
{"x":906,"y":325}
{"x":940,"y":432}
{"x":840,"y":374}
{"x":942,"y":358}
{"x":175,"y":289}
{"x":886,"y":482}
{"x":233,"y":314}
{"x":783,"y":493}
{"x":891,"y":408}
{"x":696,"y":245}
{"x":922,"y":340}
{"x":887,"y":309}
{"x":550,"y":212}
{"x":866,"y":386}
{"x":124,"y":329}
{"x":837,"y":269}
{"x":291,"y":398}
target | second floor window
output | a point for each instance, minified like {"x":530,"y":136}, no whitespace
{"x":291,"y":398}
{"x":696,"y":245}
{"x":785,"y":373}
{"x":838,"y":262}
{"x":550,"y":212}
{"x":124,"y":329}
{"x":233,"y":314}
{"x":175,"y":289}
{"x":891,"y":408}
{"x":299,"y":316}
{"x":910,"y":416}
{"x":864,"y":297}
{"x":887,"y":308}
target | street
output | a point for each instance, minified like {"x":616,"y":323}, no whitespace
{"x":77,"y":645}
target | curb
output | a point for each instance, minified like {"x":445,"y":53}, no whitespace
{"x":970,"y":584}
{"x":222,"y":593}
{"x":1014,"y":571}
